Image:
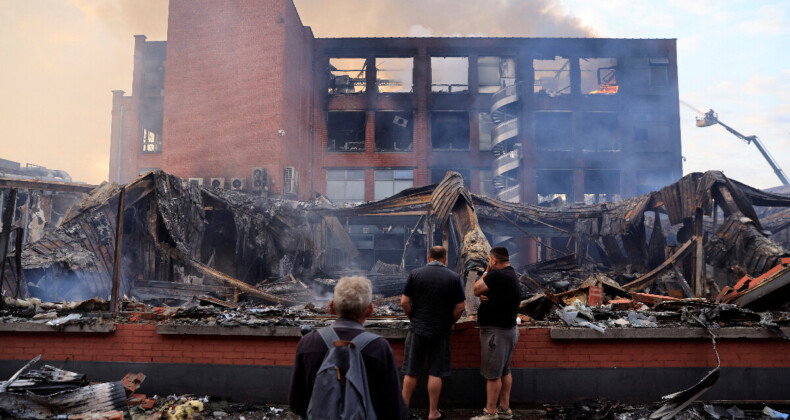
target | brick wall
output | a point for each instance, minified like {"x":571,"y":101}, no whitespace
{"x":224,"y":88}
{"x":535,"y":349}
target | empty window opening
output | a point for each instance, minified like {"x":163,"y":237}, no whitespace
{"x":553,"y":131}
{"x":437,"y":175}
{"x":648,"y":181}
{"x":599,"y":76}
{"x":552,"y":77}
{"x":486,"y":125}
{"x":346,"y":75}
{"x":345,"y":185}
{"x":600,"y":131}
{"x":449,"y":74}
{"x":487,"y":183}
{"x":651,"y":132}
{"x":388,"y":182}
{"x":394,"y":75}
{"x":394,"y":132}
{"x":601,"y":186}
{"x":495,"y":73}
{"x":659,"y":71}
{"x":152,"y":140}
{"x":450,"y":131}
{"x":345,"y":131}
{"x":554,"y":184}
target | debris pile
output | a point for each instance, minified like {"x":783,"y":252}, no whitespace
{"x":185,"y":245}
{"x":50,"y":392}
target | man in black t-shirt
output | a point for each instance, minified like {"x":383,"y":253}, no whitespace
{"x":433,"y":299}
{"x":500,"y":298}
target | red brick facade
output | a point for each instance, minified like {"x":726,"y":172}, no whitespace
{"x":246,"y":87}
{"x":535,"y":349}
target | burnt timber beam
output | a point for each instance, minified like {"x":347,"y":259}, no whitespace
{"x":5,"y":235}
{"x":116,"y":263}
{"x":31,"y":184}
{"x":648,"y":278}
{"x":699,"y":257}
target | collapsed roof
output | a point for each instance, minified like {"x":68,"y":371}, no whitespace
{"x":180,"y":239}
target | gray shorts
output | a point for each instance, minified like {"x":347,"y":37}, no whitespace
{"x":436,"y":349}
{"x":496,"y":350}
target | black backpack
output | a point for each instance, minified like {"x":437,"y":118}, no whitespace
{"x":340,"y":390}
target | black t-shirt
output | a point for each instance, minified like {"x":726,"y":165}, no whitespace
{"x":434,"y":291}
{"x":504,"y":298}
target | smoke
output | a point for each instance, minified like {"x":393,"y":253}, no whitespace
{"x":63,"y":59}
{"x":124,"y":18}
{"x":415,"y":18}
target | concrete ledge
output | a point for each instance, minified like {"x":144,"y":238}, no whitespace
{"x":35,"y":327}
{"x":677,"y":333}
{"x":396,"y":333}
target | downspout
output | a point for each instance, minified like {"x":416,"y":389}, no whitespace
{"x":120,"y":142}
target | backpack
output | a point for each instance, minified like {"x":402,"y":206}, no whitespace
{"x":340,"y":391}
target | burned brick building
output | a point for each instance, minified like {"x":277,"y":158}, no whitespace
{"x":251,"y":100}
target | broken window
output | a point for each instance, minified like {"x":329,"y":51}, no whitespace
{"x":394,"y":132}
{"x":651,"y":132}
{"x":600,"y":131}
{"x":494,"y":73}
{"x":345,"y":185}
{"x":345,"y":131}
{"x":486,"y":183}
{"x":346,"y":75}
{"x":450,"y":131}
{"x":449,"y":74}
{"x":599,"y":76}
{"x":659,"y":71}
{"x":553,"y":184}
{"x":486,"y":124}
{"x":394,"y":75}
{"x":552,"y":77}
{"x":152,"y":141}
{"x":648,"y":181}
{"x":437,"y":174}
{"x":388,"y":182}
{"x":601,"y":186}
{"x":553,"y":131}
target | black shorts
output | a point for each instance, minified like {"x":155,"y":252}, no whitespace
{"x":436,"y":349}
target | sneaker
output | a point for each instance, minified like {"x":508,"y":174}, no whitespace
{"x":486,"y":416}
{"x":504,"y":414}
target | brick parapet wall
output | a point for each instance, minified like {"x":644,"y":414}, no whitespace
{"x":535,"y":349}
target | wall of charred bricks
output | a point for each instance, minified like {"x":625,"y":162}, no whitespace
{"x":535,"y":349}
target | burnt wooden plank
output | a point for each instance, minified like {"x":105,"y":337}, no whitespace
{"x":648,"y":278}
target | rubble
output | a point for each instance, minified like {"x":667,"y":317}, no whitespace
{"x":51,"y":392}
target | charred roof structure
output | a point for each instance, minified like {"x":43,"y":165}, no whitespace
{"x":695,"y":238}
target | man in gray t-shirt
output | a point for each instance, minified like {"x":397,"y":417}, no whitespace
{"x":433,"y":299}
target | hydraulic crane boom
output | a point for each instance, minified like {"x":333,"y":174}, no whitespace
{"x":711,"y":118}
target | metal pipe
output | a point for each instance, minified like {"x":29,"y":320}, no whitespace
{"x":120,"y":142}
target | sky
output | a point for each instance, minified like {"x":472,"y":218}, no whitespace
{"x":62,"y":58}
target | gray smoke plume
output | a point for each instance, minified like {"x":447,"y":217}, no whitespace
{"x":383,"y":18}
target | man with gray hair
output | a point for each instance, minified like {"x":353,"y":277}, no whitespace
{"x":352,"y":305}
